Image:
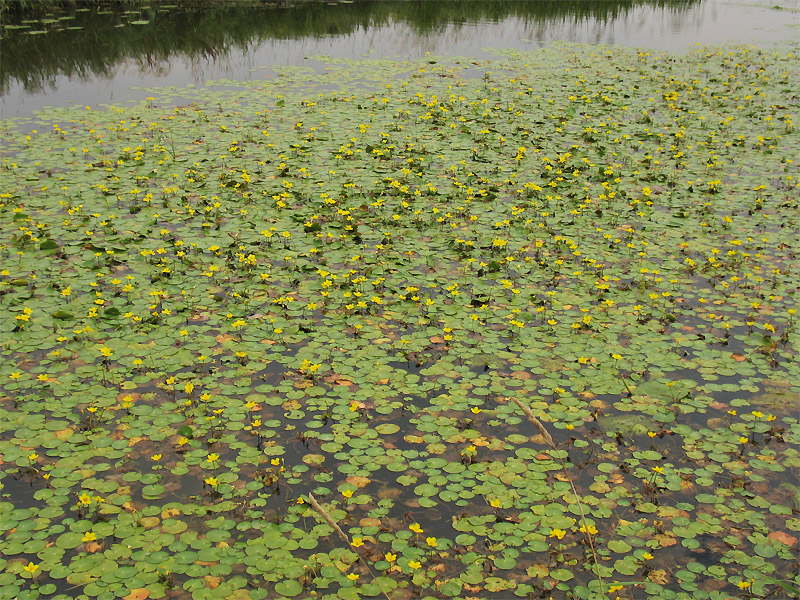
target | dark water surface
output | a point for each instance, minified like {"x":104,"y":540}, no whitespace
{"x":93,"y":57}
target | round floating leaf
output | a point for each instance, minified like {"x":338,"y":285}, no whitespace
{"x":387,"y":428}
{"x":561,"y":574}
{"x":505,"y":562}
{"x":619,"y":546}
{"x":288,"y":587}
{"x":152,"y":491}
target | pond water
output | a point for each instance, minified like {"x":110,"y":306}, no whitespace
{"x":109,"y":56}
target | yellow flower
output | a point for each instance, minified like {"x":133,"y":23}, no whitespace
{"x":647,"y":556}
{"x":182,"y":441}
{"x":414,"y":564}
{"x":31,"y":568}
{"x":212,"y":481}
{"x":155,"y":457}
{"x":275,"y":462}
{"x":89,"y":536}
{"x":347,"y":493}
{"x":357,"y":542}
{"x":431,"y":541}
{"x":494,"y":502}
{"x":558,"y":533}
{"x":33,"y":457}
{"x":105,"y":351}
{"x":475,"y":410}
{"x":616,"y":356}
{"x":188,"y":388}
{"x":85,"y":499}
{"x":415,"y":528}
{"x":352,"y":576}
{"x":390,"y":557}
{"x":213,"y":457}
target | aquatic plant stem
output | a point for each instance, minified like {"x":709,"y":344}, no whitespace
{"x":550,"y":442}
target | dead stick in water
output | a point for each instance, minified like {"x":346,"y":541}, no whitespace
{"x":317,"y":507}
{"x":532,"y":418}
{"x":549,"y":439}
{"x":328,"y":519}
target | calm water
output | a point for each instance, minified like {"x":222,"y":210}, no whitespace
{"x":89,"y":58}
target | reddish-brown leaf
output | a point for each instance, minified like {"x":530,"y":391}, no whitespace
{"x":783,"y":538}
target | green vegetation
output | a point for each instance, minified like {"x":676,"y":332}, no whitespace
{"x":448,"y":328}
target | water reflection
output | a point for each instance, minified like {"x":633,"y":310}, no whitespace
{"x":91,"y":57}
{"x":41,"y":47}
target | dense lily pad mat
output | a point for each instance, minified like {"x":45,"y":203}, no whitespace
{"x":337,"y":284}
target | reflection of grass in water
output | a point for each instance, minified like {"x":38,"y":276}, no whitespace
{"x":206,"y":32}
